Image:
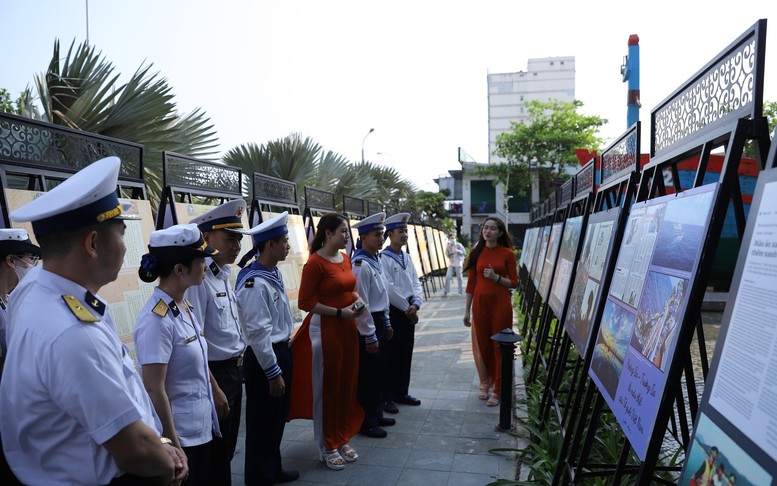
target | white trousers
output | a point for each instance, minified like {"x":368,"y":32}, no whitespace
{"x":449,"y":274}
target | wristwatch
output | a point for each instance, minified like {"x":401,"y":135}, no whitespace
{"x":165,"y":440}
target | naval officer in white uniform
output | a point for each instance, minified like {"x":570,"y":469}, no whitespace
{"x":72,"y":406}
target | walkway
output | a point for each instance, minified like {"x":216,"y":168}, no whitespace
{"x":445,"y":441}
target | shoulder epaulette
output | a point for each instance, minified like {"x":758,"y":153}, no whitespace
{"x":160,"y":308}
{"x":249,"y":283}
{"x":79,"y":310}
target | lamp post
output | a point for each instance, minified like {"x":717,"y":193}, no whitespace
{"x":363,"y":140}
{"x":506,"y":339}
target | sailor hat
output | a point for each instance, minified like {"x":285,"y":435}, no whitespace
{"x":179,"y":242}
{"x":398,"y":220}
{"x":15,"y":241}
{"x":272,"y":228}
{"x":370,"y":223}
{"x":228,"y":216}
{"x":87,"y":197}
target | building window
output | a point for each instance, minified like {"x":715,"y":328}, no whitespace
{"x":482,"y":197}
{"x":521,"y":97}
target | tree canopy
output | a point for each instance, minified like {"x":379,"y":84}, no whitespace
{"x":544,"y":145}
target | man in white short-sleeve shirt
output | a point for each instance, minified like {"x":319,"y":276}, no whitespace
{"x":73,"y":409}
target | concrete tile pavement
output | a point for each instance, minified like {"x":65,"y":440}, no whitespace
{"x":444,"y":441}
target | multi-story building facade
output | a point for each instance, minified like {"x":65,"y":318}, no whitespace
{"x":472,"y":198}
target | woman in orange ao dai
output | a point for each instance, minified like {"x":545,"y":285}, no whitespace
{"x":492,"y":273}
{"x":326,"y":347}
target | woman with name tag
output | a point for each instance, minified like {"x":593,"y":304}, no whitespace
{"x":171,"y":349}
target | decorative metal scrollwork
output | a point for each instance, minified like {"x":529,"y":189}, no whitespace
{"x":727,"y":86}
{"x":373,"y":207}
{"x":566,"y":192}
{"x":36,"y":144}
{"x":584,"y":179}
{"x":353,"y":205}
{"x":191,"y":173}
{"x":276,"y":190}
{"x":318,"y":199}
{"x":620,"y":159}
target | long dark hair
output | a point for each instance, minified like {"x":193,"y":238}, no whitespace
{"x":328,"y":222}
{"x":504,"y":240}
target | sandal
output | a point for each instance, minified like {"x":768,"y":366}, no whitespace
{"x":333,"y":460}
{"x":493,"y":401}
{"x":348,"y":453}
{"x":483,"y":392}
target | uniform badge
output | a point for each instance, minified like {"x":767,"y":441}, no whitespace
{"x":358,"y":263}
{"x":221,"y":294}
{"x":94,"y":303}
{"x":79,"y":310}
{"x":174,"y":308}
{"x":160,"y":308}
{"x":239,"y":212}
{"x":249,"y":283}
{"x":188,"y":304}
{"x":190,"y":339}
{"x":215,"y":269}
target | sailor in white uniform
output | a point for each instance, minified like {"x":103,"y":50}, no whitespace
{"x":171,"y":348}
{"x":216,"y":308}
{"x":406,"y":296}
{"x":266,"y":317}
{"x":371,"y":286}
{"x":72,"y":406}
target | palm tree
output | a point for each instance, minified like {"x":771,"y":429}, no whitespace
{"x":84,"y":93}
{"x":301,"y":160}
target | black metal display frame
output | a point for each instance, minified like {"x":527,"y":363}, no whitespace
{"x":719,"y":119}
{"x":272,"y":194}
{"x":317,"y":203}
{"x":42,"y":155}
{"x":612,"y":201}
{"x":725,"y":423}
{"x":185,"y":177}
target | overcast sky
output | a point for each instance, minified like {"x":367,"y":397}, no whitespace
{"x":415,"y":71}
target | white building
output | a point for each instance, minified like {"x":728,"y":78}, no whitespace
{"x":546,"y":79}
{"x":473,"y":198}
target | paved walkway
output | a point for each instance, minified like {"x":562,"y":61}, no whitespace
{"x":444,"y":441}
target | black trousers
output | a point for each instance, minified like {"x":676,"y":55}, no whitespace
{"x":227,"y":375}
{"x":400,"y":356}
{"x":199,"y":458}
{"x":372,"y":371}
{"x":265,"y":417}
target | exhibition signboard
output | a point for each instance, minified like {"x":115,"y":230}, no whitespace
{"x":645,"y":306}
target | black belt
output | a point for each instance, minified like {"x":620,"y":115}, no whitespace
{"x":231,"y":362}
{"x":283,"y":344}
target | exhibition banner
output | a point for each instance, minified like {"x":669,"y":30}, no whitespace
{"x":584,"y":299}
{"x":738,"y":415}
{"x":550,"y":259}
{"x":565,"y":264}
{"x":539,"y":258}
{"x":645,"y":306}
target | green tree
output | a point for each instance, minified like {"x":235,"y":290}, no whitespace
{"x":428,"y":204}
{"x":544,"y":146}
{"x":301,"y":160}
{"x":770,"y":112}
{"x":83,"y":92}
{"x":6,"y":103}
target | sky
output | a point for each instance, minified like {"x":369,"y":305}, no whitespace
{"x":415,"y":71}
